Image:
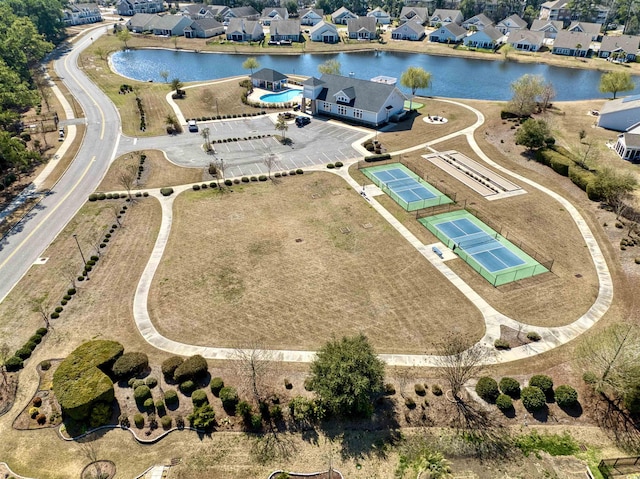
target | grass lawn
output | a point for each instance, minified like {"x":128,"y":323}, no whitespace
{"x":286,"y":273}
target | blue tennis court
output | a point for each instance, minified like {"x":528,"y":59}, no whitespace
{"x":485,"y":247}
{"x":403,"y":185}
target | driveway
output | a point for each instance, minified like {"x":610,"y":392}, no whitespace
{"x":317,"y":143}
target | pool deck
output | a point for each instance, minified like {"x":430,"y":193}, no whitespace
{"x":254,"y":96}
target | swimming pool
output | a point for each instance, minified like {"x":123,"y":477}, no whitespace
{"x":281,"y":97}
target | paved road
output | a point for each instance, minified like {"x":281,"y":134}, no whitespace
{"x":25,"y":244}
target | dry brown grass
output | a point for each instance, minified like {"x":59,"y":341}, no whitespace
{"x":158,"y":172}
{"x":230,"y":263}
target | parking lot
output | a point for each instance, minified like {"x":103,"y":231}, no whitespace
{"x":317,"y":143}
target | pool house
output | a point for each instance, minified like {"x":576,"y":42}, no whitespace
{"x":269,"y":79}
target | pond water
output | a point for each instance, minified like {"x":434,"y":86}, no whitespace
{"x":452,"y":77}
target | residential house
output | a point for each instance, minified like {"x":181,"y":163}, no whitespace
{"x":362,"y":28}
{"x":243,"y":30}
{"x":324,"y":32}
{"x":342,"y":15}
{"x":411,"y":30}
{"x":556,"y":10}
{"x":310,"y":16}
{"x":512,"y":23}
{"x":574,"y":44}
{"x":623,"y":48}
{"x":204,"y":28}
{"x":622,"y":114}
{"x":204,"y":11}
{"x":549,"y":28}
{"x":489,"y":38}
{"x":448,"y":33}
{"x":269,"y":79}
{"x":141,"y":22}
{"x":478,"y":22}
{"x":361,"y":101}
{"x":442,"y":17}
{"x":248,"y":13}
{"x":285,"y":30}
{"x":81,"y":14}
{"x":270,"y":14}
{"x":592,"y":29}
{"x":628,"y":147}
{"x":526,"y":40}
{"x":129,"y":8}
{"x":382,"y":17}
{"x":170,"y":25}
{"x":420,"y":14}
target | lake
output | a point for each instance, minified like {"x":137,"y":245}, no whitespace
{"x":452,"y":77}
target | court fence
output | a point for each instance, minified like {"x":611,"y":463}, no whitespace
{"x":619,"y":466}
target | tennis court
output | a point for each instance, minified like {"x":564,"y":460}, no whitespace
{"x":405,"y":187}
{"x":493,"y":256}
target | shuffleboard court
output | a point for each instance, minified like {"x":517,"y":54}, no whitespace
{"x":405,"y":187}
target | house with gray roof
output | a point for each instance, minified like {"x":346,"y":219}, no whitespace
{"x":489,"y":38}
{"x":243,"y":30}
{"x":622,"y":114}
{"x":128,"y":8}
{"x":512,"y":23}
{"x":197,"y":11}
{"x":549,"y":28}
{"x":270,"y":14}
{"x":442,"y":16}
{"x":628,"y":147}
{"x":574,"y":44}
{"x":584,"y":27}
{"x":421,"y":14}
{"x":362,"y":28}
{"x":170,"y":25}
{"x":353,"y":99}
{"x":285,"y":30}
{"x":310,"y":16}
{"x":412,"y":30}
{"x":382,"y":17}
{"x":324,"y":32}
{"x":269,"y":79}
{"x":526,"y":40}
{"x":623,"y":48}
{"x":342,"y":15}
{"x":204,"y":28}
{"x":248,"y":13}
{"x":81,"y":14}
{"x":448,"y":33}
{"x":478,"y":22}
{"x":141,"y":22}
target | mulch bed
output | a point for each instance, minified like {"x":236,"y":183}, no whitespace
{"x":49,"y":407}
{"x":99,"y":470}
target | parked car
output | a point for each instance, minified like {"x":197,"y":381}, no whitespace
{"x":193,"y":126}
{"x":302,"y":120}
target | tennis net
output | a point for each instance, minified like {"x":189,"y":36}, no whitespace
{"x":400,"y":183}
{"x":476,"y":242}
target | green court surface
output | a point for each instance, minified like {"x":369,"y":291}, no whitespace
{"x":405,"y":187}
{"x":493,"y":256}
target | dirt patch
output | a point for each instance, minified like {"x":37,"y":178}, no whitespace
{"x":99,"y":470}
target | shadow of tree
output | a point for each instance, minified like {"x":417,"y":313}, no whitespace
{"x":611,"y":416}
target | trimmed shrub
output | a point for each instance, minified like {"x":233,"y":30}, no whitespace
{"x":533,"y":336}
{"x":287,"y":384}
{"x":566,"y":396}
{"x":409,"y":402}
{"x":228,"y":182}
{"x":216,"y":385}
{"x":243,"y":409}
{"x":262,"y":178}
{"x":166,"y":191}
{"x":149,"y":404}
{"x":23,"y":353}
{"x":151,"y":382}
{"x":545,"y":383}
{"x":130,"y":364}
{"x":487,"y":389}
{"x":170,"y":365}
{"x":55,"y":315}
{"x":504,"y":402}
{"x":196,"y":187}
{"x":533,"y":398}
{"x":229,"y":398}
{"x":192,"y":368}
{"x":510,"y":387}
{"x":45,"y":365}
{"x":166,"y":422}
{"x":419,"y":389}
{"x":436,"y":390}
{"x":339,"y":164}
{"x":580,"y":177}
{"x":199,"y":398}
{"x":171,"y":397}
{"x":13,"y":364}
{"x":37,"y":401}
{"x":30,"y":345}
{"x":138,"y":420}
{"x":245,"y":179}
{"x":36,"y":339}
{"x":187,"y":387}
{"x":159,"y":405}
{"x":560,"y":164}
{"x":331,"y":166}
{"x":141,"y":394}
{"x":93,"y":197}
{"x":134,"y":383}
{"x":501,"y":344}
{"x":389,"y":389}
{"x":41,"y":331}
{"x":42,"y":419}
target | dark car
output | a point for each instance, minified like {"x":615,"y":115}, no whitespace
{"x":302,"y":120}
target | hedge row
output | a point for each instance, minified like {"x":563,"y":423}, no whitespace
{"x":226,"y":117}
{"x":16,"y":362}
{"x":534,"y":396}
{"x":561,"y":162}
{"x":114,"y":196}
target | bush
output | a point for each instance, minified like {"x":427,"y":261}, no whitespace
{"x":419,"y":389}
{"x":216,"y":385}
{"x":166,"y":422}
{"x":36,"y":338}
{"x":331,"y":166}
{"x":45,"y":365}
{"x":510,"y":387}
{"x":149,"y":404}
{"x":192,"y":368}
{"x":262,"y":178}
{"x":581,"y":177}
{"x":151,"y":382}
{"x":245,"y":179}
{"x":566,"y":396}
{"x":37,"y":401}
{"x":129,"y":365}
{"x":199,"y":398}
{"x":299,"y":171}
{"x":487,"y":389}
{"x":504,"y":402}
{"x":166,"y":191}
{"x":203,"y":418}
{"x":55,"y":315}
{"x":170,"y":365}
{"x":533,"y":398}
{"x":23,"y":353}
{"x":134,"y":383}
{"x":389,"y":389}
{"x":13,"y":364}
{"x":339,"y":164}
{"x":308,"y":384}
{"x":545,"y":383}
{"x":42,"y":419}
{"x":501,"y":344}
{"x":589,"y":377}
{"x":196,"y":187}
{"x":409,"y":402}
{"x":41,"y":331}
{"x":159,"y":405}
{"x":228,"y":182}
{"x":287,"y":384}
{"x":378,"y":157}
{"x":93,"y":197}
{"x":533,"y":336}
{"x":30,"y":345}
{"x":141,"y":394}
{"x":243,"y":409}
{"x":171,"y":397}
{"x":187,"y":387}
{"x":436,"y":390}
{"x":229,"y":398}
{"x":124,"y":422}
{"x":138,"y":420}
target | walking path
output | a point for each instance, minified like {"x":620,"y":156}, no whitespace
{"x":551,"y":337}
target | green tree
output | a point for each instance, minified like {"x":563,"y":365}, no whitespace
{"x":614,"y":82}
{"x":347,"y":375}
{"x":613,"y":186}
{"x":526,"y":91}
{"x":176,"y":85}
{"x":415,"y":78}
{"x":532,"y":134}
{"x":203,"y":417}
{"x":330,"y":67}
{"x":281,"y":126}
{"x":124,"y":35}
{"x":292,"y":7}
{"x":46,"y":15}
{"x":251,"y":64}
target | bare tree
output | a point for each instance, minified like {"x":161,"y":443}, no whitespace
{"x":5,"y":354}
{"x":116,"y":213}
{"x":547,"y":94}
{"x":281,"y":126}
{"x":90,"y":451}
{"x":220,"y":167}
{"x":458,"y":363}
{"x":127,"y":178}
{"x":587,"y":156}
{"x":42,"y":305}
{"x":205,"y":133}
{"x":254,"y":367}
{"x":270,"y":160}
{"x":69,"y":273}
{"x":101,"y":52}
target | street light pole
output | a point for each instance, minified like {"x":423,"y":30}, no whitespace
{"x":75,"y":237}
